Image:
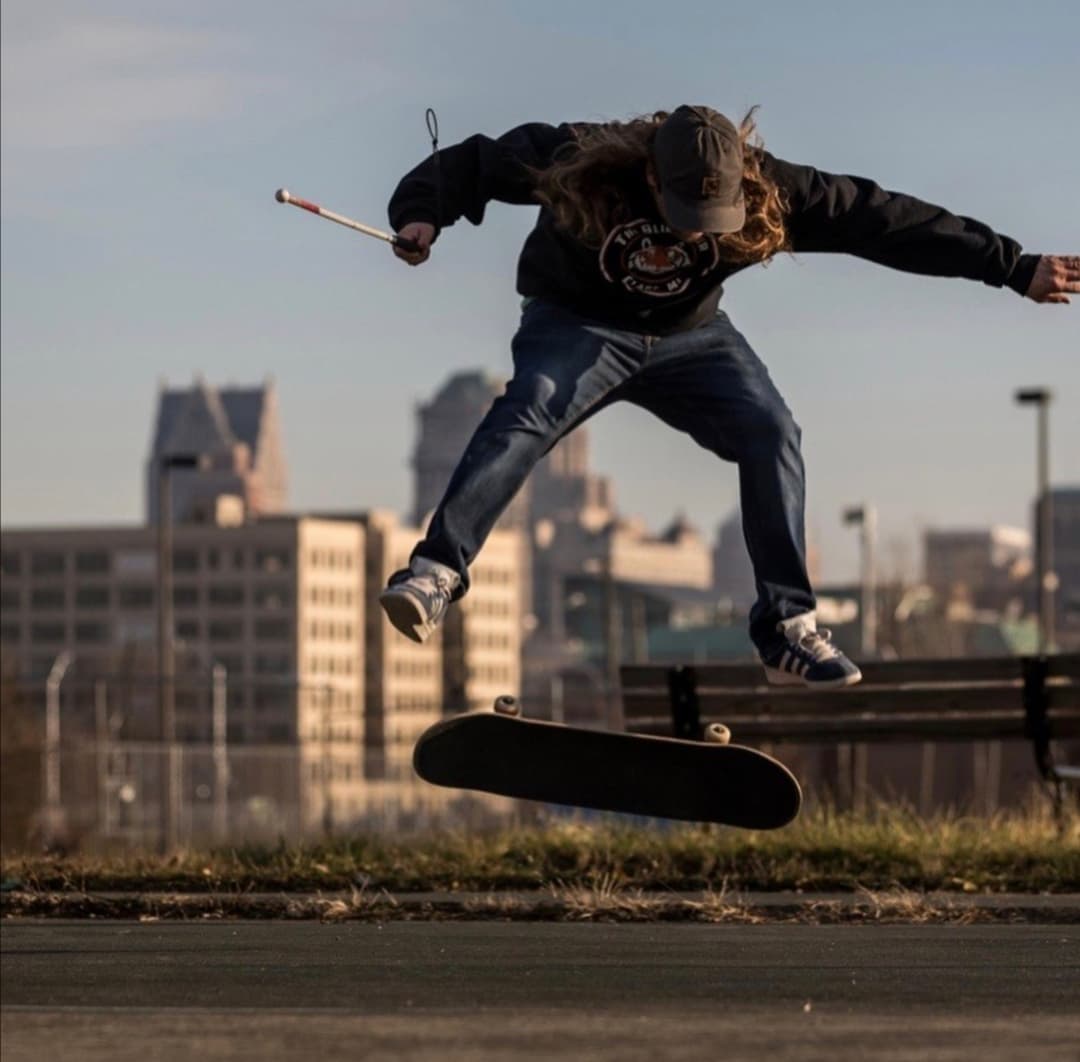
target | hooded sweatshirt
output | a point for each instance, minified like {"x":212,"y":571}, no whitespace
{"x":644,"y":277}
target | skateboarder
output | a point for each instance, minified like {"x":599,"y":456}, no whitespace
{"x":640,"y":223}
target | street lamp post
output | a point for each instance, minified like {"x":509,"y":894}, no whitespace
{"x":865,"y":516}
{"x":170,"y":803}
{"x":853,"y":760}
{"x":54,"y":807}
{"x":221,"y":754}
{"x":1045,"y":577}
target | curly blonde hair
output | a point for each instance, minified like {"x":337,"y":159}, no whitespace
{"x":582,"y":187}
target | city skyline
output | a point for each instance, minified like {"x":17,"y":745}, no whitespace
{"x":899,"y":556}
{"x":140,"y":241}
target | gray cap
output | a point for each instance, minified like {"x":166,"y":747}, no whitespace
{"x":698,"y":158}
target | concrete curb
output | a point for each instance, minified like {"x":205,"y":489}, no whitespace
{"x":571,"y":904}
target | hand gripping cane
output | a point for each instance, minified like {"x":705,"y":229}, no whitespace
{"x":283,"y":196}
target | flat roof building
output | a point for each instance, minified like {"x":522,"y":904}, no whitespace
{"x":278,"y":603}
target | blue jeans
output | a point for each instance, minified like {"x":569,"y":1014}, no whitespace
{"x":707,"y":382}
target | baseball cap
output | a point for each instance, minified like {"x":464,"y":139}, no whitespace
{"x":698,"y":158}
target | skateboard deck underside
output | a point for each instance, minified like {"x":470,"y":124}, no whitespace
{"x":608,"y":770}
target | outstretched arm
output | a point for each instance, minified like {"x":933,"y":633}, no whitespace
{"x":467,"y":176}
{"x":852,"y":215}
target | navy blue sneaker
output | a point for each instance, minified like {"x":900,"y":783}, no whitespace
{"x":416,"y":599}
{"x":807,"y":657}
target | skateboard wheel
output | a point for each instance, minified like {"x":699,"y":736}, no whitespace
{"x":717,"y":734}
{"x":507,"y":705}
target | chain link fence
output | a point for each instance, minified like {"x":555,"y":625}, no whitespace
{"x":83,"y":764}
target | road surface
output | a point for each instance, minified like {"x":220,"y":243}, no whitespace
{"x":271,"y":991}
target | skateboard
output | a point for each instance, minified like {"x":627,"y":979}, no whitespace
{"x":671,"y":778}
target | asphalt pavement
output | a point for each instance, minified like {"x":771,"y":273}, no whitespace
{"x":451,"y":990}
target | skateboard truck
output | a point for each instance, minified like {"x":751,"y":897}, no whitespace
{"x":507,"y":705}
{"x":717,"y":734}
{"x":713,"y":734}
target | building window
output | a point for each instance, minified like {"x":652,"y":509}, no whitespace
{"x":185,"y":560}
{"x":272,"y":664}
{"x":91,"y":633}
{"x":136,"y":596}
{"x":48,"y":599}
{"x":226,"y":595}
{"x":213,"y":559}
{"x":233,"y":664}
{"x":10,"y":563}
{"x":135,"y":562}
{"x":274,"y":698}
{"x":9,"y":633}
{"x":187,"y":628}
{"x":185,"y":596}
{"x":92,"y":563}
{"x":272,"y":560}
{"x":226,"y":630}
{"x":273,"y":629}
{"x":92,"y":597}
{"x":40,"y":666}
{"x":47,"y":563}
{"x":273,"y":596}
{"x":9,"y":599}
{"x":47,"y":632}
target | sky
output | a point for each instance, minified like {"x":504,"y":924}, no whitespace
{"x":142,"y":143}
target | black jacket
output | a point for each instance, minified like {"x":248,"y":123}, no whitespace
{"x":644,"y":278}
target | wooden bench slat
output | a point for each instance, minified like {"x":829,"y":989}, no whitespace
{"x":852,"y":701}
{"x":875,"y":672}
{"x":805,"y":730}
{"x":1065,"y":665}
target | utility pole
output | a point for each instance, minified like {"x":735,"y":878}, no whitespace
{"x":1045,"y":577}
{"x":612,"y":633}
{"x":865,"y":516}
{"x":170,"y":769}
{"x":101,"y":753}
{"x":54,"y":806}
{"x":221,"y":754}
{"x":327,"y":762}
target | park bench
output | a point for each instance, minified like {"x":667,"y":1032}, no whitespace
{"x":929,"y":701}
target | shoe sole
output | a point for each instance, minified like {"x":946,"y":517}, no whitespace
{"x":786,"y":678}
{"x":405,"y":615}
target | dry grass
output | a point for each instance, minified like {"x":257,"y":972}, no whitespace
{"x":576,"y":903}
{"x":885,"y":850}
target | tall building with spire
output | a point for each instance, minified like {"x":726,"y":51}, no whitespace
{"x":446,"y":424}
{"x":560,"y":485}
{"x":235,"y":435}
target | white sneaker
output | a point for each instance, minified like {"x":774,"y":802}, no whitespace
{"x":416,"y":598}
{"x":806,"y":656}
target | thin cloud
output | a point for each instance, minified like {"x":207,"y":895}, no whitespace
{"x":88,"y":83}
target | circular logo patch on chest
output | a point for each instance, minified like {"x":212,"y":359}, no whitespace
{"x":646,"y":258}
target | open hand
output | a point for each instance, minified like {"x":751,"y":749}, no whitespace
{"x":423,"y":234}
{"x":1055,"y":275}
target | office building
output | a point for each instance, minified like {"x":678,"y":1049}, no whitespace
{"x":278,"y":603}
